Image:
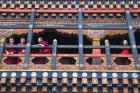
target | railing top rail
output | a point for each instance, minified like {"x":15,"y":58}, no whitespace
{"x":67,"y":55}
{"x":72,"y":46}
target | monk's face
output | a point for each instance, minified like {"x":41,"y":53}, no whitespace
{"x":106,"y":42}
{"x":11,"y":40}
{"x":125,"y":42}
{"x":22,"y":40}
{"x":40,"y":40}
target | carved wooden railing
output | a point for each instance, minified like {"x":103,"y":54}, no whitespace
{"x":61,"y":66}
{"x":130,"y":66}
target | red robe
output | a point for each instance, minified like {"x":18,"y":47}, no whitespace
{"x":124,"y":60}
{"x":42,"y":50}
{"x":125,"y":51}
{"x":21,"y":51}
{"x":10,"y":60}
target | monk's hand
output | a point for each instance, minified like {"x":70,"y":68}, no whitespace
{"x":23,"y":51}
{"x":8,"y":53}
{"x":11,"y":52}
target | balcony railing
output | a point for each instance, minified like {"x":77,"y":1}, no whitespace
{"x":67,"y":62}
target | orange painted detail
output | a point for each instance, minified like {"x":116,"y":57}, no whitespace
{"x":64,"y":11}
{"x":56,"y":11}
{"x":135,"y":11}
{"x":15,"y":10}
{"x":103,"y":11}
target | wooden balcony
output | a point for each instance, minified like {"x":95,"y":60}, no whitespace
{"x":63,"y":64}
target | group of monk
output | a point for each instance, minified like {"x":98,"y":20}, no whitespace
{"x":44,"y":50}
{"x":16,"y":60}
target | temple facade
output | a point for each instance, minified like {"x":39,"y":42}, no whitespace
{"x":46,"y":71}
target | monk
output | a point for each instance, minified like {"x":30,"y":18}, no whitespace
{"x":125,"y":51}
{"x":10,"y":51}
{"x":22,"y":43}
{"x":21,"y":50}
{"x":42,"y":50}
{"x":43,"y":44}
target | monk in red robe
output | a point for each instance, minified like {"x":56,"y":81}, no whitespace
{"x":43,"y":44}
{"x":42,"y":50}
{"x":10,"y":51}
{"x":124,"y":60}
{"x":125,"y":51}
{"x":21,"y":50}
{"x":22,"y":43}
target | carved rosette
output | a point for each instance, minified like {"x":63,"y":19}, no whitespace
{"x":96,"y":35}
